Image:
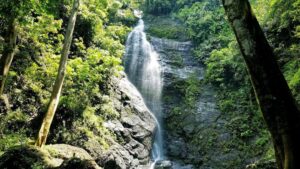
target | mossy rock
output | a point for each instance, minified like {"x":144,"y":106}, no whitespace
{"x":77,"y":163}
{"x":58,"y":156}
{"x":25,"y":157}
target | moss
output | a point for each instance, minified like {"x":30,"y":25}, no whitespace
{"x":77,"y":163}
{"x":11,"y":140}
{"x":165,"y":31}
{"x":16,"y":119}
{"x":49,"y":157}
{"x":13,"y":130}
{"x":25,"y":157}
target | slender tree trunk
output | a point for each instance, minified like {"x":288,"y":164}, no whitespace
{"x":272,"y":92}
{"x":8,"y":54}
{"x":45,"y":127}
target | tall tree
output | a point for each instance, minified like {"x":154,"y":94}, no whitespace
{"x":8,"y":53}
{"x":272,"y":92}
{"x":54,"y":100}
{"x":10,"y":12}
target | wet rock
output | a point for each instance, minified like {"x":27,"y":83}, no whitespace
{"x":182,"y":166}
{"x":177,"y":148}
{"x":137,"y":149}
{"x":182,"y":126}
{"x":189,"y":128}
{"x":134,"y":129}
{"x":117,"y":157}
{"x":164,"y":164}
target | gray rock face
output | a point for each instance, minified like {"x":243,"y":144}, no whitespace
{"x":133,"y":130}
{"x":117,"y":157}
{"x":188,"y":138}
{"x":178,"y":65}
{"x":176,"y":59}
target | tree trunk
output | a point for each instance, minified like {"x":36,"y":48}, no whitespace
{"x":8,"y":54}
{"x":54,"y":100}
{"x":272,"y":92}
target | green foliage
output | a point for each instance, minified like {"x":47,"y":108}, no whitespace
{"x":206,"y":26}
{"x":158,"y":7}
{"x":168,"y":32}
{"x":190,"y":91}
{"x":262,"y":141}
{"x":282,"y":22}
{"x":22,"y":11}
{"x":11,"y":140}
{"x":93,"y":59}
{"x":283,"y":31}
{"x":287,"y":13}
{"x":164,"y":7}
{"x":216,"y":47}
{"x":165,"y":27}
{"x":95,"y":56}
{"x":209,"y":21}
{"x":225,"y":67}
{"x":13,"y":130}
{"x":15,"y":8}
{"x":178,"y":60}
{"x":292,"y":74}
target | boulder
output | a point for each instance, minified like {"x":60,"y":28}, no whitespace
{"x":164,"y":164}
{"x":117,"y":157}
{"x":77,"y":163}
{"x":59,"y":156}
{"x":26,"y":157}
{"x":133,"y":130}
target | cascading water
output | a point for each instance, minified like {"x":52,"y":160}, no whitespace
{"x":144,"y":71}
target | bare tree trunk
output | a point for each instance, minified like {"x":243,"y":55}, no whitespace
{"x":272,"y":92}
{"x":8,"y":54}
{"x":54,"y":100}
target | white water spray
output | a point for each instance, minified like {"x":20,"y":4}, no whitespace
{"x":144,"y":71}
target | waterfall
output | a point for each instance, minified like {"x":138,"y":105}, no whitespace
{"x":144,"y":71}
